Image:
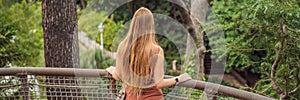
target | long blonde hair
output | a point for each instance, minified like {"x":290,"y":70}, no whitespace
{"x":137,"y":48}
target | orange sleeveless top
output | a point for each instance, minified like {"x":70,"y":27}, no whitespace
{"x":152,"y":93}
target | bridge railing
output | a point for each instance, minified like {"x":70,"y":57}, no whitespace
{"x":28,"y":83}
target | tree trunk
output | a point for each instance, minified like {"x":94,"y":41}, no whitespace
{"x":192,"y":22}
{"x":198,"y":14}
{"x":61,"y":45}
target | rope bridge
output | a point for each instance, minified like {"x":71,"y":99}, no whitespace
{"x":28,"y":83}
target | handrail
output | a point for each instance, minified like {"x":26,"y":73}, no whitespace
{"x":51,"y":71}
{"x":224,"y":90}
{"x":76,"y":72}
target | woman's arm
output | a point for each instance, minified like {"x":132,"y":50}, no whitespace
{"x":164,"y":83}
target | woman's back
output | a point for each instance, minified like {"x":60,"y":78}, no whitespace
{"x":140,"y":61}
{"x":151,"y":93}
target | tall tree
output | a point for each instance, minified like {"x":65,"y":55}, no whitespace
{"x":61,"y":44}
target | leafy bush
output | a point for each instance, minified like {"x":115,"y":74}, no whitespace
{"x":21,"y":33}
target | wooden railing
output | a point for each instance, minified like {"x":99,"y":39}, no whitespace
{"x":100,"y":73}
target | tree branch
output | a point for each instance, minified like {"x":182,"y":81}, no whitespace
{"x":294,"y":90}
{"x":286,"y":91}
{"x":275,"y":63}
{"x":293,"y":30}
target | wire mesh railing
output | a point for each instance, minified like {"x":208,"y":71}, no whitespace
{"x":88,"y":84}
{"x":60,"y":88}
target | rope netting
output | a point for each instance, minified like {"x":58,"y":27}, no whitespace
{"x":34,"y":87}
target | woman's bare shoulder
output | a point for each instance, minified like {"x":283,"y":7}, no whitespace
{"x":159,"y":49}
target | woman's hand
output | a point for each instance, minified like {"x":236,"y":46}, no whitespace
{"x":184,"y":77}
{"x":112,"y":71}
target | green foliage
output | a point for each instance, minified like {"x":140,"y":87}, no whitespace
{"x":189,"y":67}
{"x":95,"y":59}
{"x":103,"y":62}
{"x":7,"y":33}
{"x":111,"y":30}
{"x":89,"y":24}
{"x":126,"y":11}
{"x":171,"y":53}
{"x":21,"y":33}
{"x":253,"y":33}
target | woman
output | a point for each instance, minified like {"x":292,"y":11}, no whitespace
{"x":140,"y":61}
